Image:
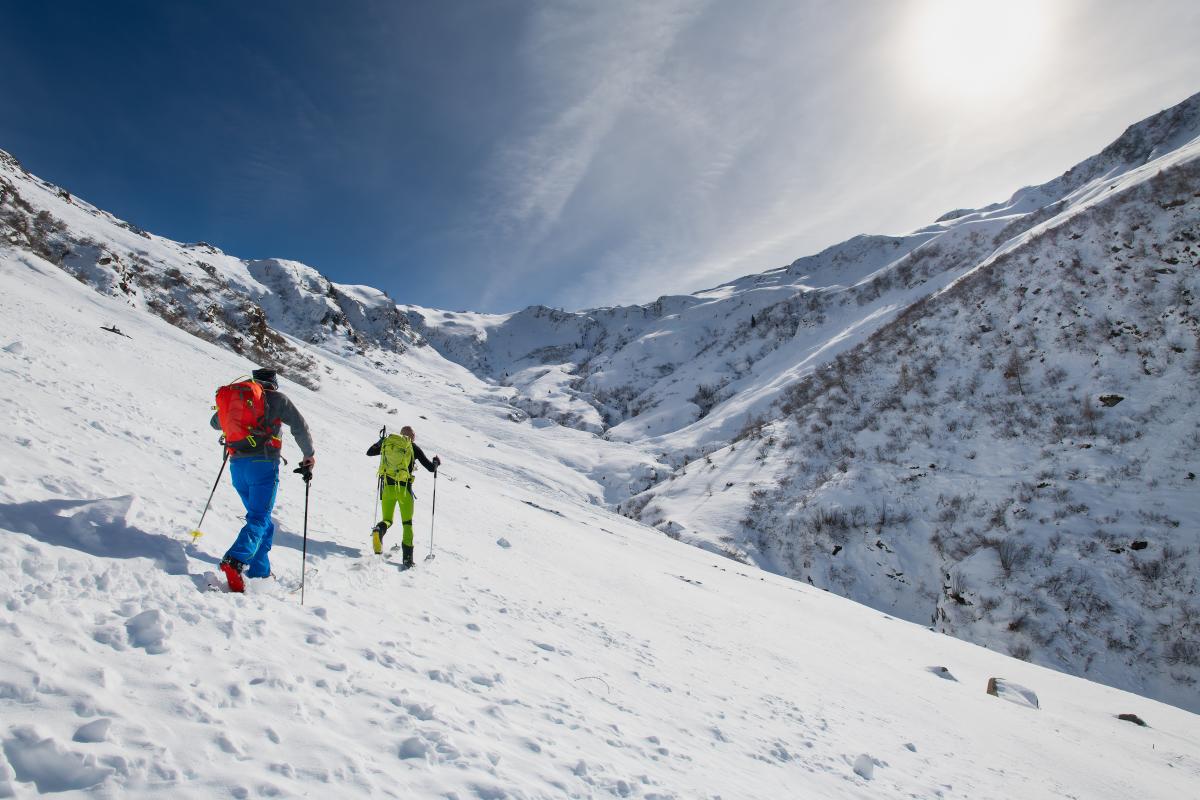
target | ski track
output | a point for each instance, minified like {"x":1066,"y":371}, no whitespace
{"x":591,"y":657}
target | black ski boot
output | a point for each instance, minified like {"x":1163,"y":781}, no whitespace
{"x":408,"y":556}
{"x":377,"y":534}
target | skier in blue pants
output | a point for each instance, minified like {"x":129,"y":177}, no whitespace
{"x":257,"y":481}
{"x":255,"y":475}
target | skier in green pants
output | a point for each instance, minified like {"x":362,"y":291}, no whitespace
{"x":398,"y":455}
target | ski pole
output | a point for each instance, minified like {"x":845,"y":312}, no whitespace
{"x":378,"y":483}
{"x":306,"y":474}
{"x":197,"y":533}
{"x":432,"y":514}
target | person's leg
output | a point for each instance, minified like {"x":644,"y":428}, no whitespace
{"x":388,"y":498}
{"x":260,"y":565}
{"x":406,"y":513}
{"x":257,"y":482}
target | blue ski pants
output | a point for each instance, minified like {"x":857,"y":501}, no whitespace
{"x":257,"y":481}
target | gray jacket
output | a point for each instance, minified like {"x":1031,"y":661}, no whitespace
{"x":280,"y":411}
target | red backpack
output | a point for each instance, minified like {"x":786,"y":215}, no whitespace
{"x":242,"y":414}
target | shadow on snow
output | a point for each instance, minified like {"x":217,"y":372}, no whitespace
{"x":95,"y":527}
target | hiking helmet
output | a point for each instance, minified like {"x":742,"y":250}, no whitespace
{"x":267,"y":377}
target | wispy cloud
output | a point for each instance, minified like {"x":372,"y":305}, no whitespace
{"x":661,"y":141}
{"x":592,"y":61}
{"x":673,"y":146}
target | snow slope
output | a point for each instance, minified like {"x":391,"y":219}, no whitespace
{"x":551,"y":649}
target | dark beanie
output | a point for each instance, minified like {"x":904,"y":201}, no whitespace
{"x":267,"y":377}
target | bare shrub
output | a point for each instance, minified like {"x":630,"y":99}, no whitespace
{"x":1015,"y":369}
{"x":1183,"y":651}
{"x":999,"y":515}
{"x":705,"y":398}
{"x":1011,"y":552}
{"x":886,"y":516}
{"x":1054,"y":376}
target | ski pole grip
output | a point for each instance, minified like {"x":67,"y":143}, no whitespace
{"x":304,"y":471}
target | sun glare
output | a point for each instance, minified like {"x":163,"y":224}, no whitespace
{"x":975,"y":49}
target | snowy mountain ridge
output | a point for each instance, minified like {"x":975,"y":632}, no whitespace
{"x":244,"y":305}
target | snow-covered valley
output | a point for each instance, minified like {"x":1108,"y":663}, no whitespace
{"x":556,"y":648}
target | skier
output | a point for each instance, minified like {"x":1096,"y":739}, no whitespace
{"x":254,"y":470}
{"x":397,"y":457}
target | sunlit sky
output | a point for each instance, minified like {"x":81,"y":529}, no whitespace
{"x":492,"y":155}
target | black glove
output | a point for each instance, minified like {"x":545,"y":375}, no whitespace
{"x":437,"y":462}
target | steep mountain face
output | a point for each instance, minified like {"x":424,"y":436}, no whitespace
{"x":255,"y":308}
{"x":1011,"y":459}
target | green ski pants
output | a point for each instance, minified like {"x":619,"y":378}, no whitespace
{"x":402,"y":495}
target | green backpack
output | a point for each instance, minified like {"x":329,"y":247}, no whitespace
{"x":396,"y":458}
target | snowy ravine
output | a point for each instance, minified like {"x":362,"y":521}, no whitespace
{"x":551,"y":649}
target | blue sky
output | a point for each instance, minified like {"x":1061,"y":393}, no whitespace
{"x":493,"y":154}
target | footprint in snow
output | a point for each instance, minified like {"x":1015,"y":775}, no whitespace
{"x":93,"y":732}
{"x":420,"y":711}
{"x":413,"y":747}
{"x":486,"y":680}
{"x":49,"y":766}
{"x":228,"y":745}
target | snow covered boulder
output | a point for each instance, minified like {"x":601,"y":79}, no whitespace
{"x":1012,"y":692}
{"x":864,"y":766}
